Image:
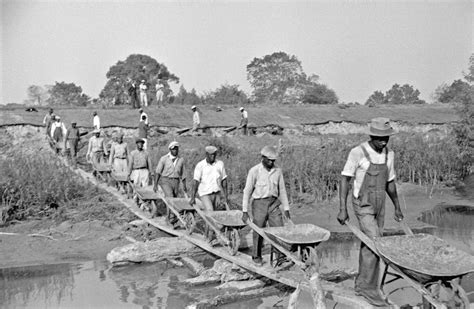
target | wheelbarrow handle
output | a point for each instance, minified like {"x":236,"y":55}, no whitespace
{"x":406,"y":228}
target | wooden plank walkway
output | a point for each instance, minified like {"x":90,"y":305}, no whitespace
{"x":335,"y":292}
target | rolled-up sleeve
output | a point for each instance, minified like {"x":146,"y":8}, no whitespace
{"x":198,"y":172}
{"x":351,"y":164}
{"x":160,"y":166}
{"x":248,"y":190}
{"x":283,"y":196}
{"x":223,"y":173}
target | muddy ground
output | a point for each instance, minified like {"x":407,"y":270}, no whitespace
{"x":47,"y":241}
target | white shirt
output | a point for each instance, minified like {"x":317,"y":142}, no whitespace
{"x":96,"y":122}
{"x":55,"y":125}
{"x":143,"y":87}
{"x":209,"y":176}
{"x":196,"y":119}
{"x":244,"y":114}
{"x":357,"y":165}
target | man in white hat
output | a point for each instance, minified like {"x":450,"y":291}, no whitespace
{"x":58,"y":129}
{"x":142,"y":113}
{"x":266,"y":186}
{"x":118,"y":158}
{"x":96,"y":121}
{"x":196,"y":119}
{"x":143,"y":96}
{"x":209,"y":182}
{"x":169,"y":172}
{"x":244,"y":120}
{"x":96,"y":150}
{"x":139,"y":165}
{"x":371,"y":166}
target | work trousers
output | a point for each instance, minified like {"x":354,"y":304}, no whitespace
{"x":119,"y":165}
{"x":73,"y":144}
{"x":143,"y":99}
{"x":264,"y":210}
{"x":97,"y":157}
{"x":210,"y":203}
{"x":140,"y":177}
{"x":170,"y":186}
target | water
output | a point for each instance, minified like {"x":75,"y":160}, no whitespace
{"x":159,"y":285}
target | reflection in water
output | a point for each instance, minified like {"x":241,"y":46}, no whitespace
{"x":159,"y":285}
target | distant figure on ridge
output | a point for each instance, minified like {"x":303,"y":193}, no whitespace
{"x":72,"y":138}
{"x":142,"y":113}
{"x":196,"y":119}
{"x":244,"y":120}
{"x":159,"y":92}
{"x":96,"y":121}
{"x":143,"y":96}
{"x":133,"y":93}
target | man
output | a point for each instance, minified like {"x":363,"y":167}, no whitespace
{"x":142,"y":113}
{"x":132,"y":92}
{"x":96,"y":121}
{"x":143,"y":131}
{"x":48,"y":118}
{"x":58,"y":129}
{"x":371,"y":166}
{"x":72,"y":137}
{"x":170,"y":170}
{"x":266,"y":186}
{"x":196,"y":119}
{"x":159,"y":92}
{"x":143,"y":96}
{"x":118,"y":158}
{"x":244,"y":120}
{"x":139,"y":165}
{"x":96,"y":150}
{"x":210,"y":180}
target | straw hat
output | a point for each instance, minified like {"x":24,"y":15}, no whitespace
{"x":380,"y":127}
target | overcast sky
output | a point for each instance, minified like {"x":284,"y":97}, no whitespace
{"x":356,"y":47}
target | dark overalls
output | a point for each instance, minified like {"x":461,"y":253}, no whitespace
{"x":369,"y":208}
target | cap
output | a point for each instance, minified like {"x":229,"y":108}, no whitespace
{"x":210,"y":149}
{"x":241,"y":109}
{"x":270,"y":152}
{"x":57,"y":117}
{"x":96,"y":131}
{"x":173,"y":144}
{"x":193,"y":107}
{"x":139,"y":140}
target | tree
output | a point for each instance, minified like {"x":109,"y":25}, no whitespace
{"x":456,"y":92}
{"x":187,"y":98}
{"x":469,"y":76}
{"x":67,"y":94}
{"x":275,"y":75}
{"x":375,"y":98}
{"x":315,"y":93}
{"x":37,"y":95}
{"x":136,"y":67}
{"x":226,"y":94}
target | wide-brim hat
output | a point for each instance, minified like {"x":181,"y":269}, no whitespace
{"x":193,"y":107}
{"x":381,"y":127}
{"x":241,"y":109}
{"x":96,"y":131}
{"x":173,"y":144}
{"x":210,"y":149}
{"x":270,"y":152}
{"x":139,"y":140}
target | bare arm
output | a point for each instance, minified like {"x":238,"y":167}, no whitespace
{"x":392,"y":193}
{"x":194,"y":189}
{"x":112,"y":153}
{"x":342,"y":217}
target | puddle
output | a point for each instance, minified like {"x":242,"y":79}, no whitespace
{"x":159,"y":285}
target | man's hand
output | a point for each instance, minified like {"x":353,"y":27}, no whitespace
{"x":287,"y":214}
{"x":192,"y":201}
{"x":398,"y":215}
{"x":155,"y":188}
{"x":342,"y":217}
{"x":245,"y":216}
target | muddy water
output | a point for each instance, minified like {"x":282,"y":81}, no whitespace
{"x":159,"y":285}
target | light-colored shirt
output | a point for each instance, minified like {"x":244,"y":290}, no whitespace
{"x":61,"y":125}
{"x":143,"y":88}
{"x":196,"y":119}
{"x":357,"y":165}
{"x":244,"y":118}
{"x":209,"y":176}
{"x":47,"y":118}
{"x":263,"y":183}
{"x":96,"y":122}
{"x":138,"y":159}
{"x":168,"y":168}
{"x":142,"y":129}
{"x":96,"y":144}
{"x":118,"y":151}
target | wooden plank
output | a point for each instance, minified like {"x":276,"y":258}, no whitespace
{"x":291,"y":278}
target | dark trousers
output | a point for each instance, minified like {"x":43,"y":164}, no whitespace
{"x":170,"y":186}
{"x":73,"y":144}
{"x":263,"y":211}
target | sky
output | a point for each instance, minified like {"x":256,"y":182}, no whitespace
{"x":356,"y":47}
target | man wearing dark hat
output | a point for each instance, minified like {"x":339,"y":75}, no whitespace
{"x":118,"y":158}
{"x":266,"y":186}
{"x":196,"y":119}
{"x":132,"y":93}
{"x":139,"y":165}
{"x":143,"y":130}
{"x":96,"y":121}
{"x":371,"y":166}
{"x":244,"y":120}
{"x":96,"y":150}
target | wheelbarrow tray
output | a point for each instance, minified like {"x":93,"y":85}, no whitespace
{"x":231,"y":218}
{"x":424,"y":257}
{"x":179,"y":203}
{"x":120,"y":176}
{"x":147,"y":193}
{"x":298,"y":233}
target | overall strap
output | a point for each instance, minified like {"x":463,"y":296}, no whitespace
{"x":366,"y":154}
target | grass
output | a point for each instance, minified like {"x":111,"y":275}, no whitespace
{"x":285,"y":116}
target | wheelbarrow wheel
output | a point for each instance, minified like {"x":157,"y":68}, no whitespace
{"x":234,"y":237}
{"x":190,"y":221}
